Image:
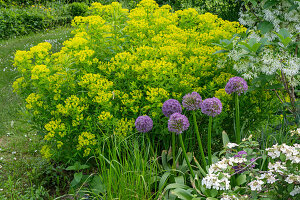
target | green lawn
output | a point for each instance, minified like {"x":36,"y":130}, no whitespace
{"x":22,"y":171}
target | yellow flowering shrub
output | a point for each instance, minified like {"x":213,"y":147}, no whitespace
{"x":121,"y":64}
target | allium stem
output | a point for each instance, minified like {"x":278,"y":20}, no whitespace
{"x":185,"y":155}
{"x":237,"y":119}
{"x":199,"y":141}
{"x":173,"y":150}
{"x":209,"y":140}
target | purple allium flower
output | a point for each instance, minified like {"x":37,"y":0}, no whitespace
{"x":144,"y":124}
{"x":192,"y":101}
{"x":236,"y":84}
{"x":171,"y":106}
{"x":211,"y":106}
{"x":178,"y":123}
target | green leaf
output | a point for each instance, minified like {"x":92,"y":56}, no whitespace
{"x":163,"y":180}
{"x":270,"y":3}
{"x":175,"y":186}
{"x":164,"y":160}
{"x":211,"y":198}
{"x":77,"y":177}
{"x":265,"y":27}
{"x":241,"y":179}
{"x":179,"y":179}
{"x":284,"y":32}
{"x":225,"y":138}
{"x":97,"y":186}
{"x":182,"y":194}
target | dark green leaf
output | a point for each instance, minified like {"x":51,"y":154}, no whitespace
{"x":77,"y":177}
{"x":265,"y":27}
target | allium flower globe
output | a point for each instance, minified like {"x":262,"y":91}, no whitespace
{"x":171,"y":106}
{"x":144,"y":124}
{"x":178,"y":123}
{"x":211,"y":106}
{"x":192,"y":101}
{"x":236,"y":84}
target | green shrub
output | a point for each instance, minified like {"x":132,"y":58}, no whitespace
{"x":78,"y":9}
{"x":120,"y":65}
{"x":16,"y":21}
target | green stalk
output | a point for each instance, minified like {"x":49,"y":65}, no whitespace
{"x":185,"y":156}
{"x":209,"y":140}
{"x":237,"y":120}
{"x":199,"y":141}
{"x":173,"y":150}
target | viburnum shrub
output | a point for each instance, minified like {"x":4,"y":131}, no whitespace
{"x":120,"y":65}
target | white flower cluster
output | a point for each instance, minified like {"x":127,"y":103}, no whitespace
{"x":279,"y":15}
{"x":291,"y":153}
{"x":278,"y":169}
{"x":295,"y":191}
{"x":231,"y":145}
{"x":217,"y":181}
{"x":256,"y":185}
{"x":267,"y":62}
{"x":218,"y":176}
{"x":295,"y":132}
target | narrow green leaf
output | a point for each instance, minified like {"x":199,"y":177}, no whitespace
{"x":225,"y":138}
{"x":163,"y":180}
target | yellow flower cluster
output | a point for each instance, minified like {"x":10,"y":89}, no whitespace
{"x":124,"y":127}
{"x":55,"y":128}
{"x":86,"y":140}
{"x":46,"y":152}
{"x":39,"y":71}
{"x":104,"y":117}
{"x":33,"y":100}
{"x":121,"y":64}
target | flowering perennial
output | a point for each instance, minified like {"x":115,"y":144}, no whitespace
{"x":192,"y":101}
{"x":236,"y":84}
{"x":144,"y":124}
{"x":171,"y":106}
{"x":178,"y":123}
{"x":211,"y":106}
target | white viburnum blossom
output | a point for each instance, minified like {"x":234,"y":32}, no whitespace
{"x":274,"y":151}
{"x":295,"y":191}
{"x":291,"y":178}
{"x":212,"y":181}
{"x":269,"y":177}
{"x":236,"y":160}
{"x":256,"y":185}
{"x":231,"y":145}
{"x":277,"y":167}
{"x":219,"y":166}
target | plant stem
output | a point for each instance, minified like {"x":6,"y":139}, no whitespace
{"x":199,"y":141}
{"x":185,"y":156}
{"x":209,"y":140}
{"x":173,"y":150}
{"x":237,"y":120}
